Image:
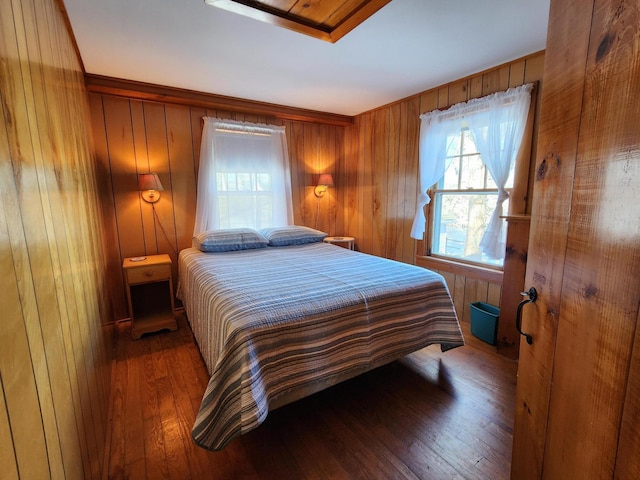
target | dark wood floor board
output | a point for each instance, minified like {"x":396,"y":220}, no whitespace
{"x":133,"y":417}
{"x":432,"y":415}
{"x":268,"y":454}
{"x":118,"y":408}
{"x":197,"y":458}
{"x":156,"y":464}
{"x":320,"y":454}
{"x":439,"y":432}
{"x":410,"y":448}
{"x":431,"y":409}
{"x":150,"y":373}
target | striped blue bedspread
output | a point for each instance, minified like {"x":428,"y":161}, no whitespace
{"x":279,"y":318}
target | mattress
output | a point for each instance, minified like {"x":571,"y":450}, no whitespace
{"x":276,"y":320}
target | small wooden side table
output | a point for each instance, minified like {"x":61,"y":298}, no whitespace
{"x":149,"y":294}
{"x":346,"y":242}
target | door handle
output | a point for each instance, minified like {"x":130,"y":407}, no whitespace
{"x":533,"y":295}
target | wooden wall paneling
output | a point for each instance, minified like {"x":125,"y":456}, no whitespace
{"x":328,"y":138}
{"x":300,"y":190}
{"x":559,"y":120}
{"x":48,"y":338}
{"x":357,"y":184}
{"x":162,"y":216}
{"x":7,"y":450}
{"x":458,"y":293}
{"x":458,"y":92}
{"x":534,"y":68}
{"x":104,"y":190}
{"x":515,"y":261}
{"x":443,"y":96}
{"x":628,"y":457}
{"x":352,"y":136}
{"x":362,"y":234}
{"x":379,"y":172}
{"x":428,"y":101}
{"x":490,"y":82}
{"x":16,"y":369}
{"x":411,"y":183}
{"x":495,"y":80}
{"x":600,"y":291}
{"x":54,"y":321}
{"x":117,"y":113}
{"x":141,"y":164}
{"x":519,"y":196}
{"x":51,"y":353}
{"x":78,"y":263}
{"x":197,"y":122}
{"x":311,"y":206}
{"x":393,"y":240}
{"x":30,"y":197}
{"x":326,"y":163}
{"x":403,"y":190}
{"x":341,"y":188}
{"x":475,"y":86}
{"x":183,"y":179}
{"x":516,"y":73}
{"x":515,"y":265}
{"x":408,"y":182}
{"x":474,"y":291}
{"x":494,"y":294}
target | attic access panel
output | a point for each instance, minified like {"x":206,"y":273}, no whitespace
{"x":328,"y":20}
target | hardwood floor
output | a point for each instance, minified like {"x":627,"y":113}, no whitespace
{"x":432,"y":415}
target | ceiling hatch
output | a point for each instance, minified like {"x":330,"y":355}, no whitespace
{"x":328,"y":20}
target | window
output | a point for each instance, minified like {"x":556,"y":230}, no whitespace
{"x":244,"y":178}
{"x":463,"y":202}
{"x":242,"y":195}
{"x":468,"y":152}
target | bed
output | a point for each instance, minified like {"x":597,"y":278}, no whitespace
{"x":278,"y":323}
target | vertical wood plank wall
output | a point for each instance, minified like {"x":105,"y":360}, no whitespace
{"x":55,"y":359}
{"x":374,"y":164}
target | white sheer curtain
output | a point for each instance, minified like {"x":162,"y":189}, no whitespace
{"x":244,"y":178}
{"x":497,"y":131}
{"x":437,"y":131}
{"x":497,"y":123}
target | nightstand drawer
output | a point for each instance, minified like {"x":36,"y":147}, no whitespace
{"x":152,"y":273}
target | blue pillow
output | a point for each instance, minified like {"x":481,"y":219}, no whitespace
{"x":229,"y":240}
{"x":291,"y":235}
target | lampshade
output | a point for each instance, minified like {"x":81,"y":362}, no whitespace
{"x":149,"y":181}
{"x":325,"y":180}
{"x":150,"y":185}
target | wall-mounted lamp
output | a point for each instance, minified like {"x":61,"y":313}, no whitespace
{"x":325,"y":180}
{"x":150,"y":186}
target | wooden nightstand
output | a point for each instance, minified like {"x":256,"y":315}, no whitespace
{"x":346,"y":242}
{"x":149,"y":294}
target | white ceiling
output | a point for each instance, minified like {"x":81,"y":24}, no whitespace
{"x":405,"y":48}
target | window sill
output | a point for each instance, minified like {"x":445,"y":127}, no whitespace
{"x":457,"y":268}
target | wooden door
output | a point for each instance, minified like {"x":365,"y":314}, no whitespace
{"x":578,"y":395}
